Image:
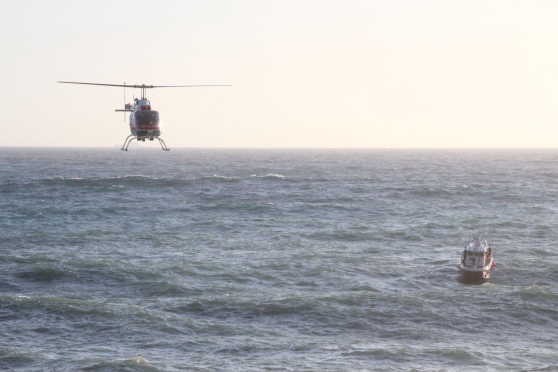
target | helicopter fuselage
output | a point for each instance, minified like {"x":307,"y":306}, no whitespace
{"x":144,"y":122}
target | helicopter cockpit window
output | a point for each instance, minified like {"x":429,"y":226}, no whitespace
{"x":147,"y":117}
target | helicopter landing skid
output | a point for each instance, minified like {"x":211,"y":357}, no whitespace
{"x":131,"y":137}
{"x":163,"y":144}
{"x":127,"y":142}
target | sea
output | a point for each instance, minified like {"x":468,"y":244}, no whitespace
{"x":276,"y":259}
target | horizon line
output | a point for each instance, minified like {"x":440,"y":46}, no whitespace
{"x":286,"y":148}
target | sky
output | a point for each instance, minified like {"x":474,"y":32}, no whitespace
{"x":305,"y":73}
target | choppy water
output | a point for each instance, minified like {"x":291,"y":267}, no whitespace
{"x":276,"y":260}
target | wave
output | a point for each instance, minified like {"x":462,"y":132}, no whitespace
{"x":44,"y":274}
{"x":269,"y":176}
{"x":341,"y":236}
{"x":457,"y":354}
{"x":129,"y":181}
{"x":24,"y":359}
{"x":400,"y":354}
{"x":19,"y":358}
{"x":138,"y":363}
{"x":20,"y":305}
{"x":432,"y":193}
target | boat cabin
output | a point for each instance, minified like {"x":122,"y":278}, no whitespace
{"x":477,"y":254}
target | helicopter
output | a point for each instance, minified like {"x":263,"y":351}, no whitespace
{"x":144,"y":122}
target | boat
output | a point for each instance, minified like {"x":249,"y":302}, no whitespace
{"x":476,"y":261}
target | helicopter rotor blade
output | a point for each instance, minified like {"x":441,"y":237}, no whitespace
{"x":107,"y":85}
{"x":143,"y":86}
{"x":185,"y":86}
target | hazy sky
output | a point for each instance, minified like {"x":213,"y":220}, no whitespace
{"x":321,"y":73}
